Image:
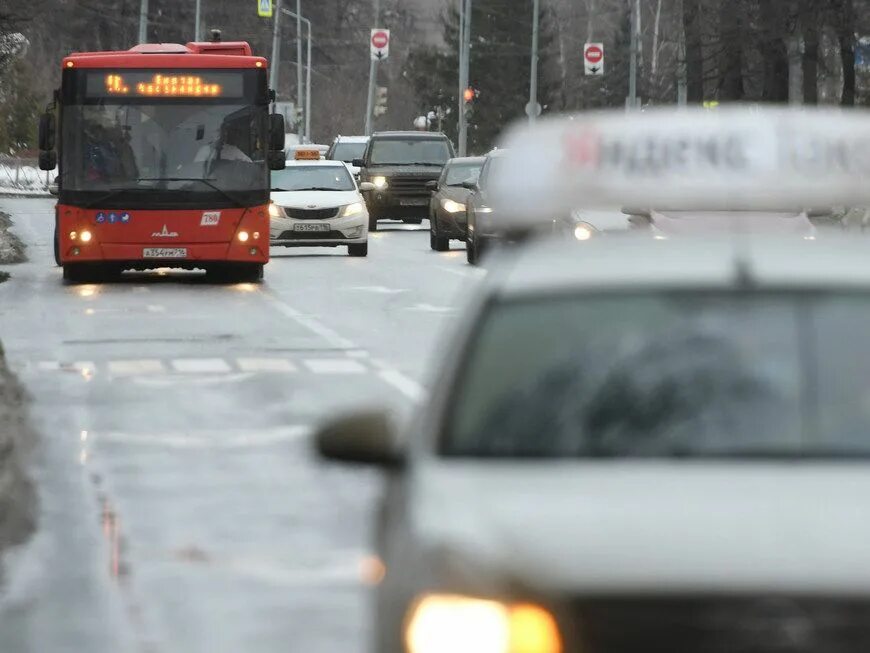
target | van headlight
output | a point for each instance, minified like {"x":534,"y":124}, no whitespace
{"x":352,"y":209}
{"x":442,"y":623}
{"x":380,"y":182}
{"x":452,"y":207}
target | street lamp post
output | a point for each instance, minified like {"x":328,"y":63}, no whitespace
{"x":143,"y":21}
{"x":197,"y":32}
{"x":373,"y":74}
{"x":464,"y":57}
{"x":307,"y":73}
{"x":533,"y":74}
{"x":299,"y":53}
{"x":276,"y":47}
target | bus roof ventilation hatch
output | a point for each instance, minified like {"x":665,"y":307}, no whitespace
{"x":237,"y":48}
{"x":160,"y":48}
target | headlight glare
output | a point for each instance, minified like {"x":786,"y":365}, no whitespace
{"x":584,"y":231}
{"x":380,"y":182}
{"x":274,"y":211}
{"x":452,"y":207}
{"x":459,"y":624}
{"x":352,"y":209}
{"x":483,"y":209}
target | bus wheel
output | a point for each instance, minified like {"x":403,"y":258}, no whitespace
{"x":56,"y":248}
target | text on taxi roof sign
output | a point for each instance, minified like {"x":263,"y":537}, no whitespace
{"x":307,"y":155}
{"x":734,"y":158}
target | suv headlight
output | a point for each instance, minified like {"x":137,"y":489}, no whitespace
{"x":439,"y":623}
{"x":352,"y":209}
{"x":452,"y":207}
{"x":380,"y":182}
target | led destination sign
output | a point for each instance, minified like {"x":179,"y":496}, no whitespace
{"x":169,"y":84}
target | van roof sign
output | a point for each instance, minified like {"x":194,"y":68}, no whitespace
{"x":735,"y":158}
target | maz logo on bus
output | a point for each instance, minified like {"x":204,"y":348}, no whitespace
{"x":165,"y":233}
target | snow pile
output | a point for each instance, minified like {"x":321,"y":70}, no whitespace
{"x":23,"y":176}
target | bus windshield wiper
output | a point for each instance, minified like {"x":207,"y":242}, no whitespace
{"x":110,"y":194}
{"x":207,"y":182}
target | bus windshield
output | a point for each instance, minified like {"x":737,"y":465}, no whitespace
{"x":164,"y":146}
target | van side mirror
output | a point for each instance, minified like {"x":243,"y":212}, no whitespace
{"x":358,"y":163}
{"x":276,"y":132}
{"x":47,"y":159}
{"x":47,"y":131}
{"x":365,"y":437}
{"x":469,"y":184}
{"x":276,"y":160}
{"x":366,"y":186}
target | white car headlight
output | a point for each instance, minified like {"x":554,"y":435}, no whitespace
{"x":440,"y":623}
{"x":352,"y":209}
{"x":452,"y":207}
{"x":584,"y":231}
{"x":483,"y":209}
{"x":380,"y":182}
{"x":274,"y":210}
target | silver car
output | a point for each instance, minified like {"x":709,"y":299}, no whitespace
{"x":666,"y":455}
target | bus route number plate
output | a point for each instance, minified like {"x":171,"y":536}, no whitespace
{"x":164,"y":252}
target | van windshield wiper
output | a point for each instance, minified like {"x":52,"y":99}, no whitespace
{"x":207,"y":182}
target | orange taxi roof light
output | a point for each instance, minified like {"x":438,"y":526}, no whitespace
{"x":307,"y":155}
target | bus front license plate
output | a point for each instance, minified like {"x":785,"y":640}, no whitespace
{"x":164,"y":252}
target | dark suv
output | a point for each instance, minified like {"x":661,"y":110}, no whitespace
{"x":400,"y":164}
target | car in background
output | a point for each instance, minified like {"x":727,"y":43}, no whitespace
{"x":637,"y":448}
{"x":400,"y":164}
{"x":347,"y":149}
{"x":481,"y":216}
{"x":447,"y":205}
{"x":317,"y":203}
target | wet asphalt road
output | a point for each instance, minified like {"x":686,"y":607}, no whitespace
{"x":181,"y":508}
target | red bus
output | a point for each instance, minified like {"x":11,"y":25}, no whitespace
{"x":163,"y":155}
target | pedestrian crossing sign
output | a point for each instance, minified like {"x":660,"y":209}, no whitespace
{"x":264,"y":8}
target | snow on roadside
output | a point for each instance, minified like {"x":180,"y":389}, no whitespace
{"x":22,"y":177}
{"x":11,"y":248}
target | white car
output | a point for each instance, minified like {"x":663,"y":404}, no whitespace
{"x":348,"y":149}
{"x":640,"y":448}
{"x":318,"y":203}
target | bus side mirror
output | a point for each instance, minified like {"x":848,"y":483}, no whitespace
{"x":276,"y":132}
{"x":276,"y":160}
{"x":47,"y":131}
{"x":47,"y":160}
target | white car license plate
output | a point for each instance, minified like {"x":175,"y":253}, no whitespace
{"x":164,"y":252}
{"x":313,"y":226}
{"x":414,"y":201}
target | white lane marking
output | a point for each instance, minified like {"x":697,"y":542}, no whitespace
{"x":48,"y":366}
{"x":310,"y":323}
{"x":154,"y":308}
{"x":334,"y":366}
{"x":266,"y":365}
{"x":470,"y":271}
{"x":430,"y":308}
{"x":135,"y":367}
{"x":404,"y":384}
{"x":141,"y":289}
{"x":357,"y":353}
{"x":382,"y":290}
{"x":205,"y":439}
{"x":201,"y":365}
{"x":167,"y":380}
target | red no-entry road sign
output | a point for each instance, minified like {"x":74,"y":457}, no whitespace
{"x":593,"y":58}
{"x":380,"y":44}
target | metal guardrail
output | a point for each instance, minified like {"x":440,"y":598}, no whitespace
{"x":23,"y":174}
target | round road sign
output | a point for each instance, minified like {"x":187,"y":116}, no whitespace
{"x":594,"y":54}
{"x":380,"y":40}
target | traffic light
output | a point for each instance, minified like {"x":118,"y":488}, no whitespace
{"x":468,"y":95}
{"x":381,"y":101}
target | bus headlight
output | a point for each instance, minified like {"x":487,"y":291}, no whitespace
{"x":452,"y":207}
{"x":85,"y":236}
{"x":242,"y":236}
{"x":443,"y":622}
{"x":274,"y":211}
{"x":380,"y":182}
{"x":352,"y":209}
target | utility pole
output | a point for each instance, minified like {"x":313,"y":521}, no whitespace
{"x":682,"y":73}
{"x":143,"y":21}
{"x":533,"y":75}
{"x":299,"y":100}
{"x":373,"y":75}
{"x":631,"y":101}
{"x":276,"y":48}
{"x":307,"y":106}
{"x":197,"y":32}
{"x":464,"y":58}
